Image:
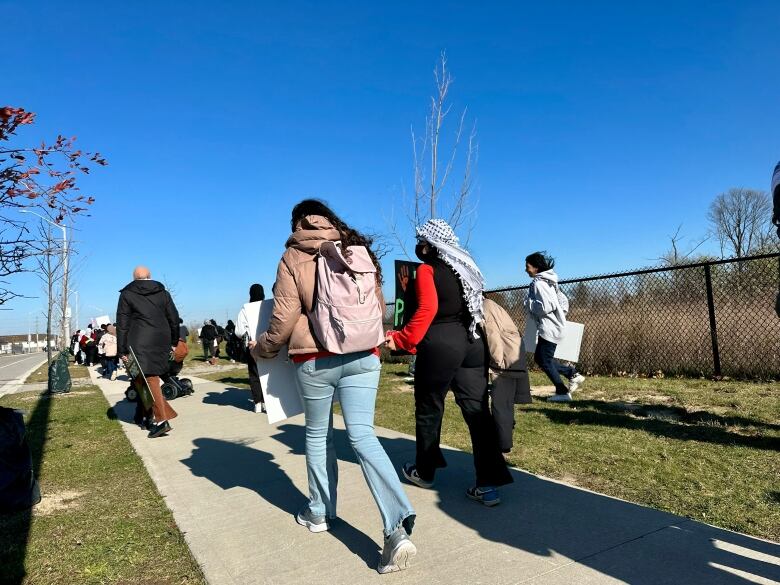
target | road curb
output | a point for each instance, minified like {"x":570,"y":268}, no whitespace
{"x":11,"y":387}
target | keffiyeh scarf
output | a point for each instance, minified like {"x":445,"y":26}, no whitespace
{"x":441,"y":236}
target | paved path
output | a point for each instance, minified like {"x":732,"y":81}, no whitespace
{"x":14,"y":370}
{"x":234,"y":482}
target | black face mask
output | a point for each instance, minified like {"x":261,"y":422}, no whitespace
{"x":418,"y":251}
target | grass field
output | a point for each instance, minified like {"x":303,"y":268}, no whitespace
{"x":42,"y":373}
{"x":701,"y":449}
{"x":195,"y":355}
{"x":101,"y":519}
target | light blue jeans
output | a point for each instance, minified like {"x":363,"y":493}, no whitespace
{"x":355,"y":377}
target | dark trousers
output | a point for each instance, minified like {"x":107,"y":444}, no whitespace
{"x":109,"y":366}
{"x":543,"y":356}
{"x":254,"y":382}
{"x":448,"y":359}
{"x":91,"y":352}
{"x":208,"y":349}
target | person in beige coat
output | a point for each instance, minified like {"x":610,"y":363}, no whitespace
{"x":320,"y":374}
{"x":107,"y":346}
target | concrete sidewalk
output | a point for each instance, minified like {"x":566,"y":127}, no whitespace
{"x":234,"y":483}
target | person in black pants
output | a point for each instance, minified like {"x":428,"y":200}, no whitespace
{"x":451,"y":354}
{"x":246,"y":328}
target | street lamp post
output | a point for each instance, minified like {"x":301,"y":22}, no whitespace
{"x":65,"y":320}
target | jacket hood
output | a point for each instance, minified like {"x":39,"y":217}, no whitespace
{"x":548,"y":275}
{"x":144,"y":287}
{"x":310,"y":232}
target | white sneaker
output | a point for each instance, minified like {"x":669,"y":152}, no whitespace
{"x":259,"y":407}
{"x":559,"y":398}
{"x":576,"y":382}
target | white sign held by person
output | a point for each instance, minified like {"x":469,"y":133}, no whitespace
{"x":568,"y":349}
{"x":277,"y":376}
{"x":102,"y":320}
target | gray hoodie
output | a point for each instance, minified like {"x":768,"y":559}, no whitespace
{"x":542,"y":305}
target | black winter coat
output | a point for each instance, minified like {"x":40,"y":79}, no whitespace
{"x":208,"y":333}
{"x":147,"y":321}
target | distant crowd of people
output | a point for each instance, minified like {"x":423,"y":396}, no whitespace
{"x":97,"y":345}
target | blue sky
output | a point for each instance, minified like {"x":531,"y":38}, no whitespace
{"x":602,"y":127}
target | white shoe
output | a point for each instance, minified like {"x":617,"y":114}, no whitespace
{"x":559,"y":398}
{"x":259,"y":407}
{"x":576,"y":382}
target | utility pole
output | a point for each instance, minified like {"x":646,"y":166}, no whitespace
{"x":36,"y":332}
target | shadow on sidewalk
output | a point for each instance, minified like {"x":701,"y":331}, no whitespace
{"x":550,"y":519}
{"x":234,"y":464}
{"x":236,"y":397}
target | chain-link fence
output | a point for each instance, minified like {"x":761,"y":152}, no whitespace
{"x":707,"y":319}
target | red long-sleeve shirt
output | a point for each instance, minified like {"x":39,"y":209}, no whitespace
{"x":427,"y":307}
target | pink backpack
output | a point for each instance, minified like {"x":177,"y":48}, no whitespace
{"x":346,"y":316}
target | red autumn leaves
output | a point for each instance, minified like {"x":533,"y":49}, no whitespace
{"x":43,"y":176}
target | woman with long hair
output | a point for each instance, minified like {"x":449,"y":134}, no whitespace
{"x":319,"y":374}
{"x":451,"y":354}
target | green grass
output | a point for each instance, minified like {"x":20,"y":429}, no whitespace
{"x":701,"y":449}
{"x":42,"y":373}
{"x":195,"y":355}
{"x":102,"y":519}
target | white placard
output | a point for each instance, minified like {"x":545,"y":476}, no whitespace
{"x":102,"y":320}
{"x":568,"y":349}
{"x":277,"y":376}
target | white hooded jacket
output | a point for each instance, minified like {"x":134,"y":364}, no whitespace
{"x":543,"y":306}
{"x":248,"y":319}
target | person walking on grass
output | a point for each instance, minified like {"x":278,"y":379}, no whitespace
{"x":320,"y":374}
{"x":547,"y":307}
{"x":208,"y":337}
{"x":451,"y":354}
{"x":148,"y":322}
{"x":246,"y":328}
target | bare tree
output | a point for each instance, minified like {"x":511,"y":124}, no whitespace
{"x":739,"y":219}
{"x":676,"y":254}
{"x":50,"y":271}
{"x":433,"y":167}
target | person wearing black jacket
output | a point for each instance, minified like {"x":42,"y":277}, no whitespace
{"x":208,"y":334}
{"x":148,"y":322}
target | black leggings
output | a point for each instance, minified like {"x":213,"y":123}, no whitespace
{"x":254,"y":382}
{"x":448,"y":359}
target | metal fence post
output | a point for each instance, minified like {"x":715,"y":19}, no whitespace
{"x":713,"y":323}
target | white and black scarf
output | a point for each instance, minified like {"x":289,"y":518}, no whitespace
{"x":441,"y":236}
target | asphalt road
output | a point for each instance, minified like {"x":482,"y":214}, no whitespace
{"x":14,"y":367}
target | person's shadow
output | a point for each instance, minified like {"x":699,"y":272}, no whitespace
{"x":229,"y":465}
{"x":236,"y":397}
